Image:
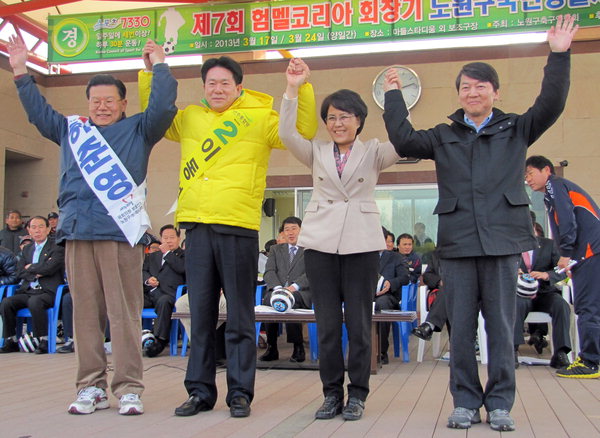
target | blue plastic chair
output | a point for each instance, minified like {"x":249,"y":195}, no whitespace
{"x":52,"y":314}
{"x":150,"y":313}
{"x":402,"y":329}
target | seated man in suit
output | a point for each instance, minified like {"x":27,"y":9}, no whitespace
{"x":393,"y":270}
{"x":163,"y":272}
{"x":40,"y":272}
{"x":285,"y":267}
{"x":540,"y":263}
{"x":406,"y":246}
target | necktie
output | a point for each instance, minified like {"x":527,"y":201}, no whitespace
{"x":293,"y":250}
{"x":35,"y":259}
{"x":527,"y":260}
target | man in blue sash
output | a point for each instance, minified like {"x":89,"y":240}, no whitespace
{"x":104,"y":160}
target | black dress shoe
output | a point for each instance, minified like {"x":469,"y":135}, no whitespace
{"x":538,"y":342}
{"x":10,"y":346}
{"x":271,"y":354}
{"x":424,"y":331}
{"x":384,"y":359}
{"x":298,"y":355}
{"x":239,"y":407}
{"x":192,"y":406}
{"x":154,"y":349}
{"x":560,"y":360}
{"x":42,"y":348}
{"x":331,"y":407}
{"x":354,"y":409}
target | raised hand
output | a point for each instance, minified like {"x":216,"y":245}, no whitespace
{"x":296,"y":74}
{"x":561,"y":35}
{"x":17,"y":54}
{"x":392,"y":80}
{"x":152,"y":53}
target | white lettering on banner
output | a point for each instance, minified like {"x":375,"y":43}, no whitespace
{"x":109,"y":179}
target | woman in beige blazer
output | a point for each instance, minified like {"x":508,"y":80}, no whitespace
{"x":341,"y":234}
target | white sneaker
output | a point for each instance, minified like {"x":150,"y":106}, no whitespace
{"x":88,"y":400}
{"x":130,"y":404}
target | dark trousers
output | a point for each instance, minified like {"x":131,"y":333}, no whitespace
{"x":349,"y":280}
{"x":66,"y":308}
{"x":293,"y":330}
{"x":214,"y":261}
{"x":490,"y":282}
{"x":386,"y":301}
{"x":586,"y":289}
{"x":37,"y":304}
{"x":552,"y":303}
{"x":163,"y":306}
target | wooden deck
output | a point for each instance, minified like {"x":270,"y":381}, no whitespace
{"x":406,"y":400}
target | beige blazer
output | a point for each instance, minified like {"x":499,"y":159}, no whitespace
{"x":341,"y":216}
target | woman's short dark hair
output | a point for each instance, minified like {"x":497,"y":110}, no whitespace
{"x":539,"y":162}
{"x":346,"y":100}
{"x":481,"y":71}
{"x":105,"y":79}
{"x":225,"y":62}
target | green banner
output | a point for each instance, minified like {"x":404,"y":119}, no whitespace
{"x":217,"y":28}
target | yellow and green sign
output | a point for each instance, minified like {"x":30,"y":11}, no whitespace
{"x":216,"y":28}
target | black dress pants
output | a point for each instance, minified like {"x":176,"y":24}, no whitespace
{"x":213,"y":261}
{"x":347,"y":280}
{"x":163,"y":306}
{"x":37,"y":304}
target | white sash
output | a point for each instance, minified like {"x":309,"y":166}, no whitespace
{"x":109,"y":179}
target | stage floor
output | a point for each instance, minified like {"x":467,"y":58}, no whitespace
{"x":406,"y":400}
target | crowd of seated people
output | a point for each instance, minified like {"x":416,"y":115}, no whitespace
{"x":30,"y":259}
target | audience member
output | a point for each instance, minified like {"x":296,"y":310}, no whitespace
{"x":394,"y":273}
{"x":9,"y":235}
{"x":574,"y":222}
{"x":40,"y":272}
{"x":8,"y":267}
{"x":66,"y":310}
{"x":420,"y":238}
{"x":285,"y":268}
{"x":539,"y":263}
{"x":163,"y":271}
{"x":24,"y":241}
{"x":53,"y":220}
{"x":390,"y":239}
{"x":406,"y":248}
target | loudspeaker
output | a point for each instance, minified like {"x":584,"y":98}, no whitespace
{"x":269,"y":207}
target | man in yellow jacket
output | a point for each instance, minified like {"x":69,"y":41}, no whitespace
{"x":225,"y":147}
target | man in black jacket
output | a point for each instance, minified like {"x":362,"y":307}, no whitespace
{"x":9,"y":236}
{"x":163,"y":272}
{"x":484,"y":222}
{"x":394,"y":273}
{"x":41,"y":271}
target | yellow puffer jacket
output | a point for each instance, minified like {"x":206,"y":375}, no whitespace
{"x":231,"y":191}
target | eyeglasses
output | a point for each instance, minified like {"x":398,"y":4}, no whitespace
{"x":343,"y":119}
{"x":109,"y":102}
